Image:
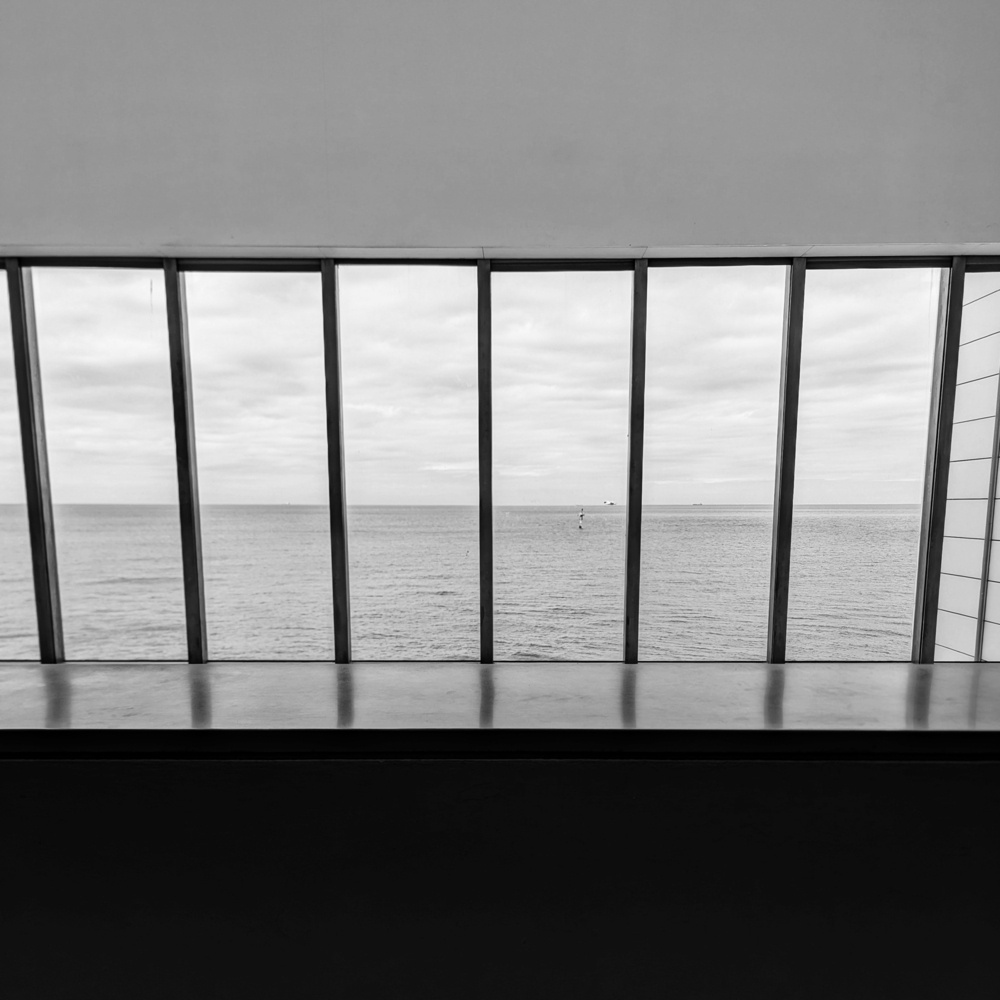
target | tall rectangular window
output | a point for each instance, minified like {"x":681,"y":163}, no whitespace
{"x":18,"y":627}
{"x":409,"y":373}
{"x":713,"y":353}
{"x":560,"y":426}
{"x":258,"y":375}
{"x":867,"y":346}
{"x":105,"y":367}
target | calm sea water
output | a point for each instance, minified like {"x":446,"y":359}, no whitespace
{"x":414,"y":582}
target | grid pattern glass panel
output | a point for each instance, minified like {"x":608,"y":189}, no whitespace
{"x":982,"y":310}
{"x":970,"y":467}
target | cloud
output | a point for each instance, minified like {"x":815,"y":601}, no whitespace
{"x":560,"y":385}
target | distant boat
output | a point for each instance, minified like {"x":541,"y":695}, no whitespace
{"x":697,"y":505}
{"x":609,"y":503}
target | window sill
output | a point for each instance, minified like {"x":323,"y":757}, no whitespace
{"x":510,"y":709}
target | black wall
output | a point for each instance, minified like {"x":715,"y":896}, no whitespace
{"x":493,"y":878}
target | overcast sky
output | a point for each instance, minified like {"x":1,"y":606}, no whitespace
{"x":409,"y":357}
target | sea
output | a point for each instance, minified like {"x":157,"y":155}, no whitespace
{"x":414,"y":582}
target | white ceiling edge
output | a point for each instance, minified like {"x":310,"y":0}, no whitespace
{"x":528,"y":252}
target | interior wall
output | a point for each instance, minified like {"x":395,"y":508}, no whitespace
{"x":499,"y":879}
{"x":464,"y":126}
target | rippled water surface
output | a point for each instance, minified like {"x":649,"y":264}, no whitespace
{"x":414,"y":582}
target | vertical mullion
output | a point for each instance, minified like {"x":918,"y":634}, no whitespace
{"x":335,"y":465}
{"x":784,"y":480}
{"x":942,"y":412}
{"x":38,"y":489}
{"x":636,"y":423}
{"x":187,"y":464}
{"x":485,"y":337}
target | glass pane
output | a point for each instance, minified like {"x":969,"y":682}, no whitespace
{"x":991,"y":642}
{"x":979,"y":358}
{"x":979,"y":284}
{"x":957,"y":632}
{"x":959,"y":594}
{"x":963,"y":556}
{"x":993,"y":572}
{"x":981,"y":313}
{"x":410,"y":397}
{"x":944,"y":655}
{"x":976,"y":399}
{"x":560,"y":422}
{"x":105,"y":364}
{"x":969,"y":480}
{"x":260,"y":420}
{"x":18,"y":628}
{"x":993,"y":602}
{"x":867,"y":346}
{"x":965,"y":518}
{"x":713,"y":360}
{"x":973,"y":439}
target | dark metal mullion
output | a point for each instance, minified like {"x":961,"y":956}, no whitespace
{"x":141,"y":263}
{"x":527,"y":265}
{"x":485,"y":368}
{"x":991,"y":496}
{"x":942,"y":412}
{"x":38,"y":490}
{"x":187,"y":464}
{"x":244,"y":265}
{"x":335,"y":465}
{"x":859,"y":263}
{"x":784,"y":479}
{"x":636,"y":424}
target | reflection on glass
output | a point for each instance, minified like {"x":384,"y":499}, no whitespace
{"x":408,"y":357}
{"x":104,"y":357}
{"x":200,"y":689}
{"x":487,"y":696}
{"x":713,"y":358}
{"x":345,"y":696}
{"x":560,"y":425}
{"x":18,"y":628}
{"x":918,"y":696}
{"x":867,"y":344}
{"x":256,"y":345}
{"x":58,"y":696}
{"x":628,"y":696}
{"x":774,"y":698}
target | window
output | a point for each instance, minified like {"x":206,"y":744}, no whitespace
{"x":256,"y":344}
{"x":867,"y":344}
{"x":18,"y":635}
{"x":408,"y":357}
{"x":713,"y":356}
{"x":560,"y":426}
{"x":104,"y":357}
{"x":560,"y":373}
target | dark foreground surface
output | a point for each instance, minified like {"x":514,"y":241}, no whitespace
{"x":499,"y":878}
